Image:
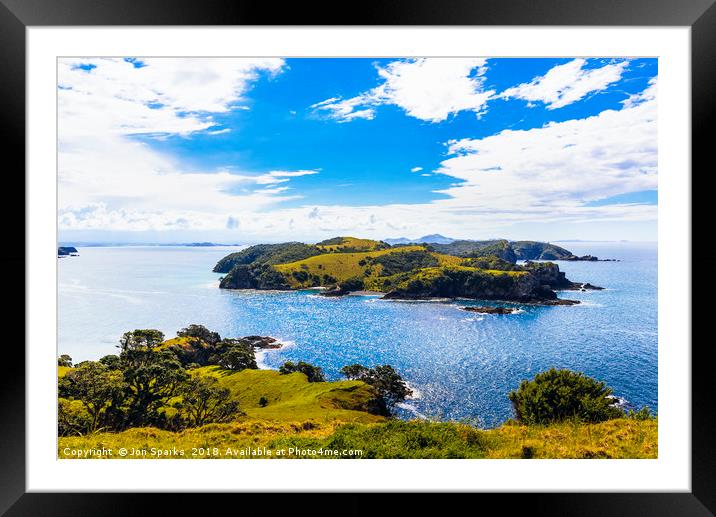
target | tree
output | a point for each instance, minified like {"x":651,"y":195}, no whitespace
{"x":354,"y":371}
{"x":96,"y":386}
{"x":153,"y":377}
{"x":352,"y":284}
{"x":72,"y":417}
{"x":236,"y":355}
{"x":64,"y":360}
{"x":390,"y":386}
{"x":557,"y":395}
{"x":313,"y":373}
{"x":200,"y":332}
{"x":111,"y":361}
{"x":141,"y":338}
{"x":204,"y":401}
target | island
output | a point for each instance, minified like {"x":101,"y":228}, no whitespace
{"x":485,"y":270}
{"x":67,"y":251}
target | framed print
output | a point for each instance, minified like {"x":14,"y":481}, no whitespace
{"x":451,"y":247}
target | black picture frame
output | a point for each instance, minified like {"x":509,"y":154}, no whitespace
{"x":17,"y":15}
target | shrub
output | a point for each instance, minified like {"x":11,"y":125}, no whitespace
{"x":387,"y":382}
{"x":352,"y":284}
{"x":643,"y":414}
{"x":203,"y":401}
{"x":72,"y":418}
{"x":141,"y":338}
{"x":557,"y":395}
{"x":314,"y":373}
{"x":200,"y":332}
{"x":237,"y":356}
{"x":394,"y":263}
{"x":64,"y":360}
{"x":96,"y":387}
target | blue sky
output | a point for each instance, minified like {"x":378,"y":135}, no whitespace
{"x":240,"y":150}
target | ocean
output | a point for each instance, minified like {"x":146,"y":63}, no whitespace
{"x":461,"y":365}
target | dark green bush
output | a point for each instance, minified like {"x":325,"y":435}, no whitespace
{"x":557,"y":395}
{"x":314,"y":373}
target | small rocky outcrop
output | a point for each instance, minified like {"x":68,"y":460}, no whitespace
{"x":64,"y":251}
{"x":558,"y":301}
{"x":490,"y":310}
{"x":262,"y":342}
{"x":587,"y":258}
{"x":334,"y":292}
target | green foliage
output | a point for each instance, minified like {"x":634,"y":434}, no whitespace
{"x":254,"y":276}
{"x":464,"y":248}
{"x":352,"y":284}
{"x":141,"y":338}
{"x":263,"y":402}
{"x":236,"y":355}
{"x":399,"y":439}
{"x":491,"y":262}
{"x":531,"y":250}
{"x":558,"y":395}
{"x":64,"y":360}
{"x":267,"y":254}
{"x":390,"y":386}
{"x":95,"y":386}
{"x":203,"y":401}
{"x":72,"y":418}
{"x":312,"y":373}
{"x":460,"y":281}
{"x":153,"y":378}
{"x":111,"y":361}
{"x":350,"y":245}
{"x":642,"y":414}
{"x":394,"y":263}
{"x":200,"y":332}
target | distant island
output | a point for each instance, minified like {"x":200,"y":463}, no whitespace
{"x":116,"y":244}
{"x":486,"y":270}
{"x":67,"y":251}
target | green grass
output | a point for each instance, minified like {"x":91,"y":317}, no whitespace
{"x":621,"y":438}
{"x":332,"y":416}
{"x":292,"y":398}
{"x":618,"y":438}
{"x":343,"y":266}
{"x":351,"y":243}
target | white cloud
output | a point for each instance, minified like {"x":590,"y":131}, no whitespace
{"x":274,"y":177}
{"x":543,"y":176}
{"x":110,"y":181}
{"x":551,"y":171}
{"x":429,"y":89}
{"x":647,"y":95}
{"x":416,"y":169}
{"x":167,"y":95}
{"x":567,"y":83}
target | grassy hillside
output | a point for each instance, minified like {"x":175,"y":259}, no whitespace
{"x":331,"y":416}
{"x":292,"y":398}
{"x":369,"y":266}
{"x":621,"y":438}
{"x":350,"y":244}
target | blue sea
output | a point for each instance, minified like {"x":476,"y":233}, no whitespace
{"x":461,"y":365}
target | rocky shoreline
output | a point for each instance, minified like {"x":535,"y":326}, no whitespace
{"x":490,"y":310}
